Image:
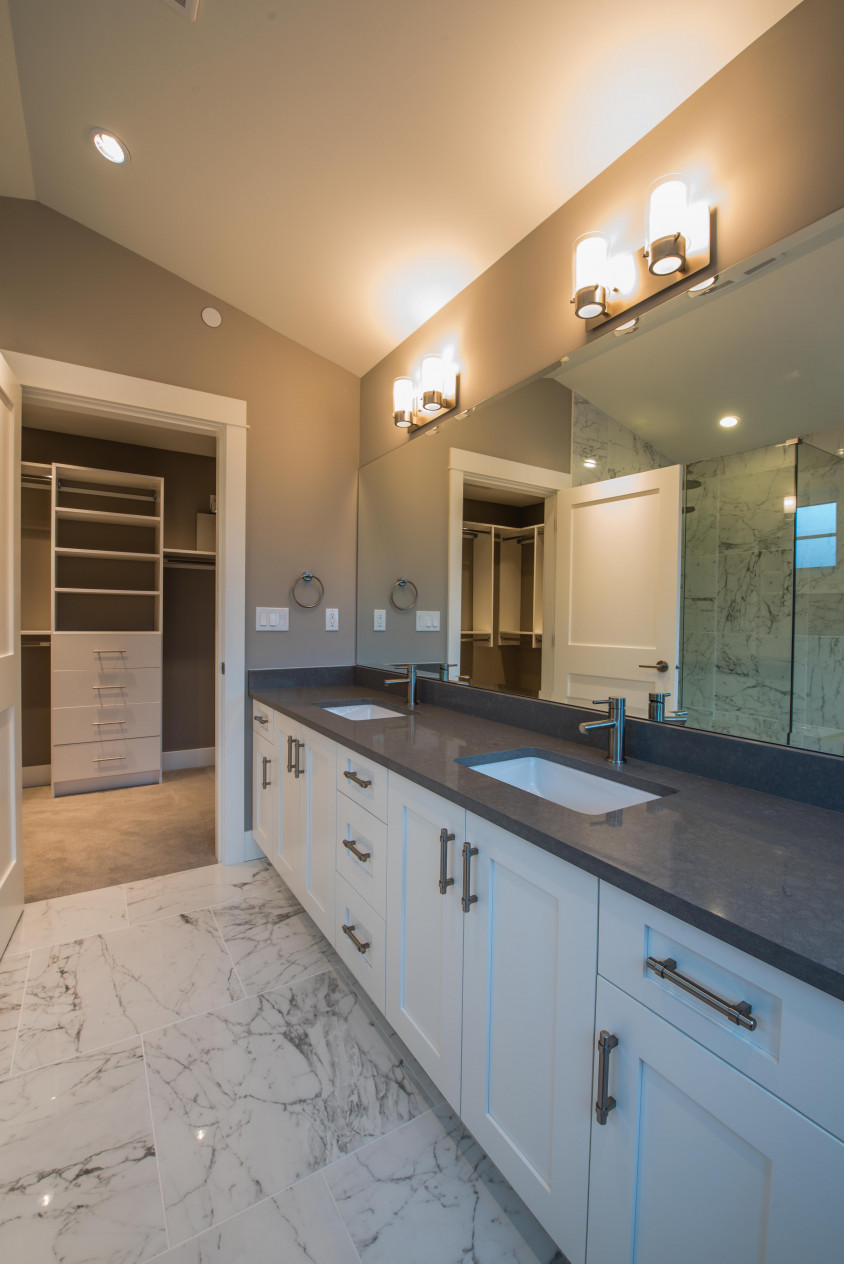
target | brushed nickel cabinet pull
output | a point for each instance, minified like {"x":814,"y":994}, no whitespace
{"x":290,"y":742}
{"x":350,"y":845}
{"x":262,"y":719}
{"x":265,"y":761}
{"x":605,"y":1103}
{"x":300,"y":746}
{"x":359,"y":781}
{"x":100,"y":688}
{"x":349,"y":932}
{"x":468,"y":899}
{"x":445,"y":881}
{"x":105,"y":724}
{"x":108,"y":759}
{"x":738,"y":1013}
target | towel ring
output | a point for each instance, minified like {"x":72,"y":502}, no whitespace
{"x":401,"y":582}
{"x":307,"y":577}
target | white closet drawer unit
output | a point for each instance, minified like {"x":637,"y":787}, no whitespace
{"x":361,"y":856}
{"x":106,"y":653}
{"x":363,"y":781}
{"x":85,"y":760}
{"x":87,"y":688}
{"x":106,"y":723}
{"x":361,"y":944}
{"x":796,"y":1025}
{"x":263,"y":720}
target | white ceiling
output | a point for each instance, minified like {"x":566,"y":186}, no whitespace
{"x":337,"y":170}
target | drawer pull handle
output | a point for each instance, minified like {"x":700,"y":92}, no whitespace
{"x":108,"y":759}
{"x":350,"y":845}
{"x":738,"y":1013}
{"x":105,"y":724}
{"x":359,"y":781}
{"x":290,"y":742}
{"x":100,"y":688}
{"x":445,"y":881}
{"x":262,"y":719}
{"x":300,"y":746}
{"x":605,"y":1103}
{"x":349,"y":932}
{"x":265,"y":762}
{"x":468,"y":899}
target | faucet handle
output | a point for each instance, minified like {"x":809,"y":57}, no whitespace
{"x":601,"y":702}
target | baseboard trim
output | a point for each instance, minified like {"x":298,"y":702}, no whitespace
{"x":201,"y":757}
{"x":36,"y":775}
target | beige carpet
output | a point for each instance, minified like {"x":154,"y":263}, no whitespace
{"x":85,"y":841}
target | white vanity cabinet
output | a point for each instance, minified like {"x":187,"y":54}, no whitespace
{"x":264,"y":778}
{"x":529,"y":953}
{"x":425,"y":835}
{"x":696,"y":1162}
{"x":317,"y":827}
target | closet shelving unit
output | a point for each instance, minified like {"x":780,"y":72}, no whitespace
{"x":503,"y":596}
{"x":478,"y":611}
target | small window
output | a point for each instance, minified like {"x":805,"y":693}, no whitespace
{"x":815,"y":543}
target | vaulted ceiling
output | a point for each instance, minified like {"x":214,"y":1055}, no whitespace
{"x":337,"y":170}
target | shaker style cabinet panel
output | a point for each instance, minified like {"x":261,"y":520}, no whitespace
{"x":317,"y":827}
{"x":699,"y":1163}
{"x":286,"y":848}
{"x":530,"y":946}
{"x":264,"y":793}
{"x":425,"y":835}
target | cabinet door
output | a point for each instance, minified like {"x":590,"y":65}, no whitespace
{"x":318,"y":822}
{"x":264,"y":792}
{"x":425,"y":930}
{"x":699,"y":1163}
{"x":530,"y":951}
{"x":287,"y":852}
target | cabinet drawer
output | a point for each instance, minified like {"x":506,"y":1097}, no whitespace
{"x":86,"y":688}
{"x":106,"y":652}
{"x":796,"y":1025}
{"x":106,"y":759}
{"x":358,"y":828}
{"x":263,"y":720}
{"x":368,"y":928}
{"x":363,"y":780}
{"x":123,"y":719}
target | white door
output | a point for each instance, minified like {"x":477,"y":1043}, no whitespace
{"x":264,"y":776}
{"x":698,"y":1163}
{"x":318,"y":826}
{"x":618,"y":589}
{"x":11,"y":858}
{"x":425,"y":929}
{"x":529,"y":960}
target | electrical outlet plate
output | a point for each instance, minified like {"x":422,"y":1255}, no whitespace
{"x":332,"y":619}
{"x":272,"y":619}
{"x":380,"y":620}
{"x":427,"y":620}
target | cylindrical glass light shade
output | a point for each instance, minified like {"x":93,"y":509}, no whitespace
{"x":668,"y":211}
{"x":591,"y":269}
{"x":432,"y":383}
{"x":403,"y":401}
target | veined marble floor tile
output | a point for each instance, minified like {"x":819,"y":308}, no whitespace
{"x":299,"y":1226}
{"x":273,"y":942}
{"x":12,"y":979}
{"x":78,"y":1177}
{"x":203,"y":888}
{"x":429,"y":1193}
{"x":69,"y":917}
{"x":93,"y":992}
{"x":259,"y":1094}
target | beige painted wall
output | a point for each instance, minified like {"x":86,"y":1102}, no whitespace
{"x":765,"y":139}
{"x":69,"y":294}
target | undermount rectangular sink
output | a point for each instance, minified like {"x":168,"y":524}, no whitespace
{"x":364,"y":711}
{"x":559,"y":783}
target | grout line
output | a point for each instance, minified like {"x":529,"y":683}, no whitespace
{"x":228,"y":954}
{"x":347,"y":1231}
{"x":155,"y":1144}
{"x":11,"y":1071}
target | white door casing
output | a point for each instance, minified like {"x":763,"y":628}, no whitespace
{"x":11,"y":858}
{"x":618,"y":588}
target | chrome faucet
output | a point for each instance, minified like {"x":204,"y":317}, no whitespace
{"x":615,"y":724}
{"x":656,"y":710}
{"x":410,"y":681}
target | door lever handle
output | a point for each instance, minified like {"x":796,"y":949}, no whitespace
{"x":660,"y":665}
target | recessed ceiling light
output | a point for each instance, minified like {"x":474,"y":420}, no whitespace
{"x":110,"y":146}
{"x":211,"y":317}
{"x":703,"y":286}
{"x":627,"y":327}
{"x":728,"y":422}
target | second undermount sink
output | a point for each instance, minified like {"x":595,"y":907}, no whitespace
{"x":557,"y":782}
{"x":364,"y":711}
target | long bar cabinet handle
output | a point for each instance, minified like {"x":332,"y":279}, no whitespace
{"x":108,"y":759}
{"x":300,"y":746}
{"x":359,"y":781}
{"x":738,"y":1012}
{"x":290,"y":742}
{"x":468,"y":899}
{"x":264,"y":761}
{"x":350,"y":845}
{"x":349,"y":932}
{"x":445,"y":881}
{"x":605,"y":1103}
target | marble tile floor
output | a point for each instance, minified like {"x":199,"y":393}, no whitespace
{"x":189,"y":1074}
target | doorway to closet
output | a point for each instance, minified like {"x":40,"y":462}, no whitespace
{"x":118,"y":612}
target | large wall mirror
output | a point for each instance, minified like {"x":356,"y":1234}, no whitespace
{"x":599,"y":529}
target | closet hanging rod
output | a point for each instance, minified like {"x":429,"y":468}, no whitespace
{"x":37,"y":480}
{"x":188,"y":566}
{"x":105,"y":493}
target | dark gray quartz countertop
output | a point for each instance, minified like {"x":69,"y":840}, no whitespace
{"x":761,"y":873}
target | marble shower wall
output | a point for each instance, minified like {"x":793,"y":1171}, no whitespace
{"x":738,"y":590}
{"x":614,"y":448}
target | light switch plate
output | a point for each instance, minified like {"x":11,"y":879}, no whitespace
{"x":332,"y":620}
{"x":380,"y":620}
{"x":427,"y":620}
{"x":272,"y":619}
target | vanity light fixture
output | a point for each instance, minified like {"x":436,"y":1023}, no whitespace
{"x":403,"y":402}
{"x":677,"y":229}
{"x":436,"y":393}
{"x":728,"y":422}
{"x":591,"y":269}
{"x":109,"y":146}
